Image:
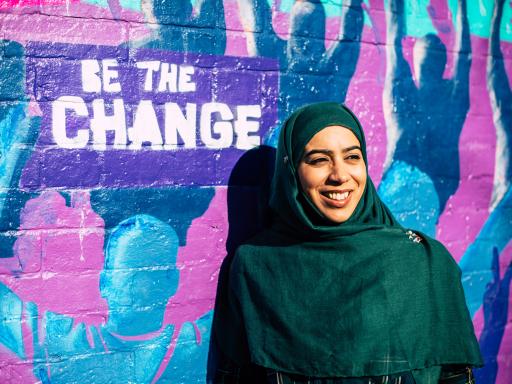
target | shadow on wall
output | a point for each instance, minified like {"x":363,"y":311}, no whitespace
{"x":248,"y":214}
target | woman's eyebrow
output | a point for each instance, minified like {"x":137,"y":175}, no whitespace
{"x":329,"y":152}
{"x":322,"y":151}
{"x":348,"y":149}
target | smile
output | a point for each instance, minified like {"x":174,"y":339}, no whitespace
{"x":336,"y":199}
{"x":338,"y":196}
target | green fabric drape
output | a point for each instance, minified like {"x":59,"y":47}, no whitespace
{"x":362,"y":298}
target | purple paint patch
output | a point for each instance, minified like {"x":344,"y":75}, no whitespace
{"x":119,"y":117}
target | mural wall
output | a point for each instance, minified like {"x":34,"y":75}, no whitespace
{"x":127,"y":175}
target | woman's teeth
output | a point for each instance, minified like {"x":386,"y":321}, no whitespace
{"x":337,"y":195}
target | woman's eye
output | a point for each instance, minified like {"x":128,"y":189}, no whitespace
{"x":353,"y":156}
{"x":316,"y":161}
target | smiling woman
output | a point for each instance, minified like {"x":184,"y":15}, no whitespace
{"x":336,"y":291}
{"x":332,"y":172}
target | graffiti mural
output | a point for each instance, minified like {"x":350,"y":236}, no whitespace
{"x":136,"y":145}
{"x":416,"y":119}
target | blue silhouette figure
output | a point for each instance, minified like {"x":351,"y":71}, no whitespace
{"x":140,"y":274}
{"x":424,"y":120}
{"x":18,"y":133}
{"x":501,"y":102}
{"x":139,"y":277}
{"x":184,"y":29}
{"x":308,"y":72}
{"x":496,"y":301}
{"x":497,"y":230}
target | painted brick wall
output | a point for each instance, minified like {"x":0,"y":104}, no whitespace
{"x":125,"y":175}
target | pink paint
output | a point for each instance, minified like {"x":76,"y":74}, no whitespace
{"x":364,"y":96}
{"x":90,"y":24}
{"x":61,"y":251}
{"x":376,"y":13}
{"x":14,"y":371}
{"x":467,"y":210}
{"x":7,"y":4}
{"x":58,"y":257}
{"x":280,"y":22}
{"x":33,"y":108}
{"x":168,"y":355}
{"x":236,"y":44}
{"x":86,"y":10}
{"x":236,"y":41}
{"x":441,"y":17}
{"x":12,"y":368}
{"x":199,"y":262}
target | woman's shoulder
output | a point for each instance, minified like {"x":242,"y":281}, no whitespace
{"x":262,"y":247}
{"x":433,"y":249}
{"x":267,"y":238}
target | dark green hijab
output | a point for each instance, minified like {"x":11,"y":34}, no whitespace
{"x":288,"y":200}
{"x":362,"y":298}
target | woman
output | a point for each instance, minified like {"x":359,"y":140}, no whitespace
{"x":336,"y":290}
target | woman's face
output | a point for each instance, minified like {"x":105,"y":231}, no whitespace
{"x":332,"y":172}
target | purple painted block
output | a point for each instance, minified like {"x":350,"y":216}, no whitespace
{"x":115,"y":117}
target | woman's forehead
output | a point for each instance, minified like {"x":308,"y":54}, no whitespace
{"x":334,"y":136}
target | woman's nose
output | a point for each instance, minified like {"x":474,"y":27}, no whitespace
{"x":338,"y":174}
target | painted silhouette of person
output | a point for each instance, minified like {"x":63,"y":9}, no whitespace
{"x":308,"y":71}
{"x":497,"y":230}
{"x":182,"y":28}
{"x":424,"y":121}
{"x":138,"y":278}
{"x":496,"y":302}
{"x":501,"y":103}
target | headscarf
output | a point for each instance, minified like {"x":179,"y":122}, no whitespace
{"x":362,"y":298}
{"x":294,"y":209}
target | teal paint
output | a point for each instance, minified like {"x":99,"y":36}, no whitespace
{"x":418,"y":20}
{"x":332,"y":8}
{"x":134,"y":5}
{"x":99,"y":3}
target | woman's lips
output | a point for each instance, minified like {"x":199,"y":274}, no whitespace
{"x":336,"y":199}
